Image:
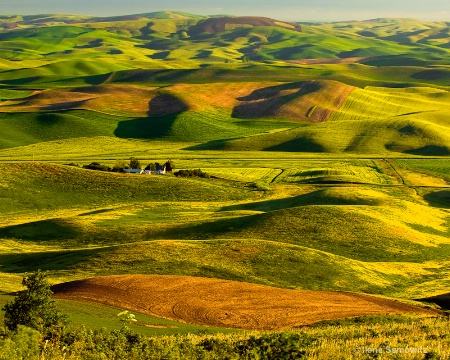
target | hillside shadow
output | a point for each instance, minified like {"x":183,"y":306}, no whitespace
{"x":203,"y":54}
{"x":163,"y":112}
{"x":89,"y":79}
{"x":63,"y":105}
{"x":92,"y":44}
{"x":44,"y":230}
{"x":442,"y":300}
{"x":23,"y":80}
{"x":267,"y":101}
{"x":300,"y":144}
{"x":48,"y":118}
{"x":433,"y":74}
{"x":403,"y":37}
{"x":315,"y":198}
{"x":211,"y":145}
{"x":292,"y":53}
{"x":430,"y":150}
{"x":162,"y":55}
{"x":440,"y":199}
{"x":393,"y":60}
{"x":51,"y":260}
{"x":146,"y":31}
{"x":210,"y":229}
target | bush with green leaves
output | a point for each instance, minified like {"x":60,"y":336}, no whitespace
{"x":192,"y":173}
{"x":119,"y":166}
{"x":275,"y":346}
{"x":34,"y":307}
{"x":22,"y":344}
{"x":96,"y":166}
{"x":134,"y":163}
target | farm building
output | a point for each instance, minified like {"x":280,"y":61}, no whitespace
{"x":147,"y":170}
{"x":151,"y":168}
{"x":160,"y":169}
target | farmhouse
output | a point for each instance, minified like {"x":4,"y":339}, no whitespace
{"x":147,"y":170}
{"x":151,"y":168}
{"x":160,"y":169}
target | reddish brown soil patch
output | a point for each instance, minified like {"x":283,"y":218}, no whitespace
{"x":126,"y":100}
{"x":312,"y":101}
{"x":227,"y":303}
{"x":217,"y":25}
{"x":327,"y":61}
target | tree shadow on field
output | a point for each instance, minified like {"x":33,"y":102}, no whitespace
{"x":163,"y":112}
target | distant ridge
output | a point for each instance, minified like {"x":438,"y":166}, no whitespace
{"x":163,"y":15}
{"x":8,"y":22}
{"x":221,"y":24}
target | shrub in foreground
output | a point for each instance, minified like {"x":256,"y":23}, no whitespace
{"x":34,"y":307}
{"x":192,"y":173}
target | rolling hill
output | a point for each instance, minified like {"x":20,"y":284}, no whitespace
{"x":326,"y":148}
{"x":306,"y":117}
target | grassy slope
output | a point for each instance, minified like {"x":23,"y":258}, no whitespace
{"x":370,"y":121}
{"x":397,"y":244}
{"x":77,"y":223}
{"x":228,"y":116}
{"x":403,"y":31}
{"x":96,"y":316}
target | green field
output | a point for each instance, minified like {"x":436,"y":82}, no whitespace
{"x":95,"y":316}
{"x":327,"y":150}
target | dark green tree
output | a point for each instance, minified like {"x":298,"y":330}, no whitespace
{"x":135,"y":163}
{"x":119,"y":166}
{"x":34,"y":307}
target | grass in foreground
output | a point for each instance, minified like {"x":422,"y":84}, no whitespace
{"x":362,"y":338}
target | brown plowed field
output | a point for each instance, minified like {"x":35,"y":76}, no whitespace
{"x":327,"y":61}
{"x":225,"y":303}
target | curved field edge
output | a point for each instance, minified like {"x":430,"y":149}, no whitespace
{"x":96,"y":316}
{"x":226,"y":303}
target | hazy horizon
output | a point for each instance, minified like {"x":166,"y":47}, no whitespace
{"x":319,"y":10}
